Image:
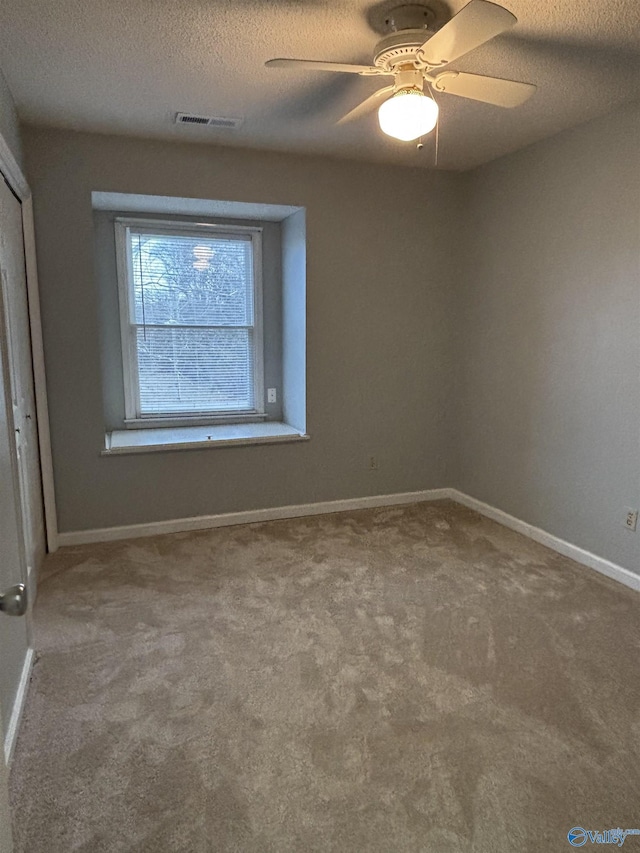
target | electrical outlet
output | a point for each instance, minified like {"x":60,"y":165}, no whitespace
{"x":373,"y":463}
{"x":630,"y":518}
{"x":271,"y":395}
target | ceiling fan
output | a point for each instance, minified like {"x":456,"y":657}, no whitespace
{"x":413,"y":53}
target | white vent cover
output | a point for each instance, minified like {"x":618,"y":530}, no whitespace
{"x":223,"y":122}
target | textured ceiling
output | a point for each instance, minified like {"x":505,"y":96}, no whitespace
{"x":127,"y":66}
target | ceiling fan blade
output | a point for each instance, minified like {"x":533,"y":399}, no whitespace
{"x":367,"y":105}
{"x":475,"y":23}
{"x":315,"y":65}
{"x":491,"y":90}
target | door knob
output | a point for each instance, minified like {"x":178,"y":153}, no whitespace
{"x":14,"y":601}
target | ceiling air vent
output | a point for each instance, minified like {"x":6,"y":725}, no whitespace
{"x":223,"y":122}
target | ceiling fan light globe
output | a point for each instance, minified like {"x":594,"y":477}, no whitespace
{"x":408,"y":115}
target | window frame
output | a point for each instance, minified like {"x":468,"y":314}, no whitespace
{"x":134,"y":419}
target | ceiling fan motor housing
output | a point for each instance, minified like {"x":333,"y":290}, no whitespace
{"x":409,"y":27}
{"x":397,"y":48}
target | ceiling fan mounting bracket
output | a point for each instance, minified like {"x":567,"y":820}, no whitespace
{"x":410,"y":16}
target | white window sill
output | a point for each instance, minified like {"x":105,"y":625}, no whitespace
{"x":192,"y":437}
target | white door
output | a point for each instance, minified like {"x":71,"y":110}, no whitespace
{"x":5,"y":815}
{"x":14,"y":281}
{"x":14,"y":636}
{"x":14,"y":630}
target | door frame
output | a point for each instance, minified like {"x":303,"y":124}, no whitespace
{"x":14,"y":175}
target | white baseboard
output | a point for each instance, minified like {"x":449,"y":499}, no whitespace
{"x":18,"y":708}
{"x":205,"y":522}
{"x":561,"y":546}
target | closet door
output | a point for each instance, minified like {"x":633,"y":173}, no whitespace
{"x":14,"y":630}
{"x":22,"y":390}
{"x":6,"y":842}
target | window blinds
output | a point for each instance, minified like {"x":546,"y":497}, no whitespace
{"x":192,"y":317}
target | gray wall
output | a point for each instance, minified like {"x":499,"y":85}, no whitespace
{"x":546,"y":419}
{"x":480,"y":331}
{"x":379,"y":288}
{"x":9,"y":121}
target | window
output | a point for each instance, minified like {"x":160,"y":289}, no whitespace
{"x":191,"y":322}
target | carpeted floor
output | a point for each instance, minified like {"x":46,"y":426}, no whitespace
{"x":405,"y":679}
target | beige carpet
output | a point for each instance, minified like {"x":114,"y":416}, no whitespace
{"x":406,"y":679}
